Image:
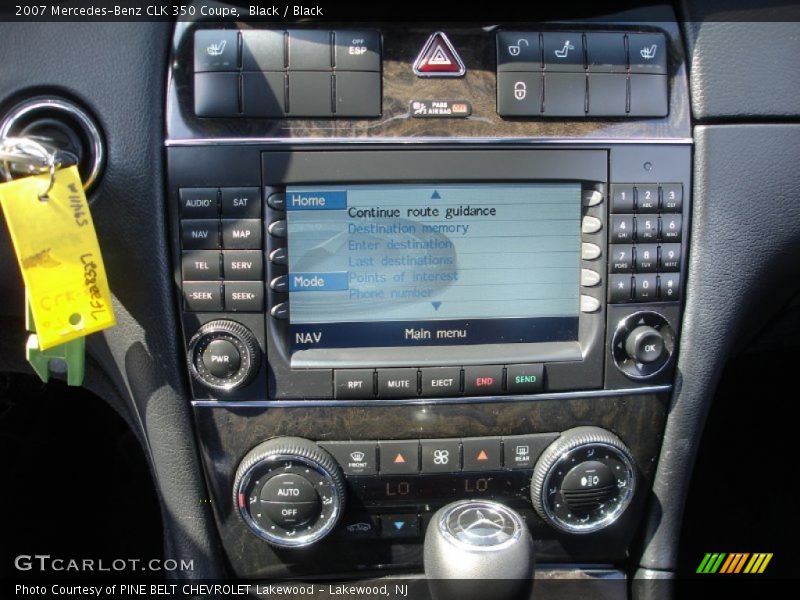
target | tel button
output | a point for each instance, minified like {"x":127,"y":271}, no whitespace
{"x":483,"y":380}
{"x":525,"y":379}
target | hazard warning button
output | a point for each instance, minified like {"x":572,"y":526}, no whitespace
{"x":438,"y":58}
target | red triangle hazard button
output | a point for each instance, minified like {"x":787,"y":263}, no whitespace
{"x":438,"y":58}
{"x":399,"y":460}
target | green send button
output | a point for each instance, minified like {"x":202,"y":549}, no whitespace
{"x":525,"y":379}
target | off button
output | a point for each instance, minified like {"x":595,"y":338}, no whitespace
{"x":525,"y":379}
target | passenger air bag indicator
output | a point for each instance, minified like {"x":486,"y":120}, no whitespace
{"x":457,"y":109}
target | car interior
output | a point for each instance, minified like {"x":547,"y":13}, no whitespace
{"x":318,"y":375}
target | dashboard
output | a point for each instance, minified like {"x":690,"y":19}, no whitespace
{"x":364,"y":269}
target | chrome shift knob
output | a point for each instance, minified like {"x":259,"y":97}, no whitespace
{"x":477,"y":540}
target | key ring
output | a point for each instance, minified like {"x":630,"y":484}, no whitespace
{"x":32,"y":156}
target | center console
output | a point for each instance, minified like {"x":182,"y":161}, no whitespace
{"x":424,"y":264}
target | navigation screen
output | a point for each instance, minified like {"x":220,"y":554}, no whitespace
{"x":426,"y":265}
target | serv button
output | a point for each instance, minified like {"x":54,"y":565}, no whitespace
{"x":525,"y":379}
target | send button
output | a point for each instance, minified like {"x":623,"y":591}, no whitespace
{"x":318,"y":282}
{"x":525,"y":379}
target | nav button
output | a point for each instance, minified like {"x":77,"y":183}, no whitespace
{"x":353,"y":384}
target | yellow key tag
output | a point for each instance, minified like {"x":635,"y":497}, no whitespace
{"x":57,"y":250}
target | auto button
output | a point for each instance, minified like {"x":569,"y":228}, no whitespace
{"x":289,"y":500}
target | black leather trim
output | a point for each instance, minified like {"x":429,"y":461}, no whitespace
{"x":745,"y":239}
{"x":118,"y":72}
{"x":742,"y":58}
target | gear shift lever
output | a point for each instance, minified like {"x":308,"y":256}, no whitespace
{"x":474,"y":541}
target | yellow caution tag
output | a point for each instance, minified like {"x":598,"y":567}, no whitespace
{"x":58,"y":253}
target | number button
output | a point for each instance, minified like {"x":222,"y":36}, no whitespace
{"x":671,"y":226}
{"x":622,"y":228}
{"x":670,"y":258}
{"x":646,"y":258}
{"x":670,"y":286}
{"x":622,"y":198}
{"x":647,"y":198}
{"x":647,"y":228}
{"x":621,"y":258}
{"x":645,"y":288}
{"x":672,"y":197}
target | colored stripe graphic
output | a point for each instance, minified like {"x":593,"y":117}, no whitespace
{"x":736,"y":562}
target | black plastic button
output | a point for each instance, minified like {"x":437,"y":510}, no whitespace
{"x":397,"y":383}
{"x":200,"y":234}
{"x":221,"y":358}
{"x":358,"y":94}
{"x":608,"y":94}
{"x":669,"y":257}
{"x":518,"y":51}
{"x":646,"y":258}
{"x":309,"y":50}
{"x":670,"y":286}
{"x":277,"y":201}
{"x":198,"y":203}
{"x":671,"y":197}
{"x":647,"y":228}
{"x":359,"y":527}
{"x":290,"y":514}
{"x":201,"y":296}
{"x":619,"y":288}
{"x":645,"y":344}
{"x":647,"y":198}
{"x":264,"y":94}
{"x":648,"y":96}
{"x":441,"y":381}
{"x":354,"y":384}
{"x":671,"y":228}
{"x":563,"y":51}
{"x":263,"y":50}
{"x":398,"y":457}
{"x":519,"y":94}
{"x":564,"y":95}
{"x":525,"y":379}
{"x":277,"y":229}
{"x":621,"y":229}
{"x":355,"y":458}
{"x":310,"y":94}
{"x":280,"y":311}
{"x":200,"y":265}
{"x":244,"y":296}
{"x":241,"y":234}
{"x":605,"y":53}
{"x":357,"y":50}
{"x":399,"y":526}
{"x":216,"y":50}
{"x":645,"y":288}
{"x":441,"y":456}
{"x":483,"y":380}
{"x":622,"y":200}
{"x":288,"y":487}
{"x":620,"y":258}
{"x":216,"y":94}
{"x":280,"y":284}
{"x":522,"y":451}
{"x":648,"y":53}
{"x":241,"y":202}
{"x":279,"y":256}
{"x":482,"y":454}
{"x":243,"y":265}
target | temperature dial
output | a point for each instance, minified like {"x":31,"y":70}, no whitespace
{"x":289,"y":491}
{"x":583,"y":481}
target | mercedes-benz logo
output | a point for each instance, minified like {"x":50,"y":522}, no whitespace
{"x":481,"y":523}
